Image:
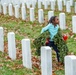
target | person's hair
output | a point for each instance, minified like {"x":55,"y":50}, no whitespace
{"x":52,"y":19}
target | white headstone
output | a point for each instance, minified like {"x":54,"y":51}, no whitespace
{"x":74,"y":24}
{"x":33,"y":4}
{"x":23,"y":9}
{"x":8,"y":1}
{"x":39,"y":4}
{"x":23,"y":4}
{"x":70,"y":65}
{"x":32,"y":14}
{"x":5,"y":1}
{"x":43,"y":2}
{"x":1,"y":39}
{"x":26,"y":53}
{"x":11,"y":45}
{"x":50,"y":14}
{"x":46,"y":65}
{"x":10,"y":10}
{"x":68,"y":8}
{"x":46,"y":5}
{"x":52,"y":5}
{"x":0,"y":8}
{"x":75,"y":7}
{"x":64,"y":2}
{"x":71,"y":2}
{"x":4,"y":8}
{"x":28,"y":5}
{"x":40,"y":16}
{"x":16,"y":2}
{"x":62,"y":21}
{"x":60,"y":5}
{"x":48,"y":2}
{"x":17,"y":12}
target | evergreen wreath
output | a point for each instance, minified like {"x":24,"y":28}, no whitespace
{"x":58,"y":40}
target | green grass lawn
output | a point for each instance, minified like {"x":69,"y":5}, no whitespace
{"x":27,"y":29}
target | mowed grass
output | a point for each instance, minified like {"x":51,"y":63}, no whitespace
{"x":27,"y":29}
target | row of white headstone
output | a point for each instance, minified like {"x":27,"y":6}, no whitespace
{"x":52,"y":4}
{"x":17,"y":2}
{"x":28,"y":1}
{"x":26,"y":49}
{"x":23,"y":11}
{"x":62,"y":17}
{"x":46,"y":3}
{"x":46,"y":55}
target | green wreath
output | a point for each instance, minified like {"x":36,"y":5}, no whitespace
{"x":58,"y":40}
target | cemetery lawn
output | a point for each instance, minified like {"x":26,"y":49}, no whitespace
{"x":27,"y":29}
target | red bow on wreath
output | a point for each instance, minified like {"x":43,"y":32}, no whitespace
{"x":65,"y":37}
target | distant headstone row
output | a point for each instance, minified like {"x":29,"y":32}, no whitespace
{"x":14,"y":2}
{"x":16,"y":13}
{"x":46,"y":3}
{"x":46,"y":55}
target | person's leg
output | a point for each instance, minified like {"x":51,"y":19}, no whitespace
{"x":56,"y":50}
{"x":51,"y":44}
